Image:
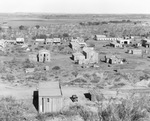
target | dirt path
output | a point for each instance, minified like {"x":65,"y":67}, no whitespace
{"x":21,"y":92}
{"x":17,"y":92}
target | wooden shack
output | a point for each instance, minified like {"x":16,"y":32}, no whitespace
{"x":50,"y":97}
{"x":135,"y":51}
{"x":49,"y":41}
{"x":20,"y":41}
{"x":113,"y":59}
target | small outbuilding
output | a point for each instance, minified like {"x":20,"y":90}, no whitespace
{"x":146,"y":43}
{"x":113,"y":59}
{"x":135,"y":51}
{"x":29,"y":70}
{"x":115,"y":44}
{"x":50,"y":97}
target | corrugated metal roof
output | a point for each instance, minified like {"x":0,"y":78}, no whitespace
{"x":49,"y":89}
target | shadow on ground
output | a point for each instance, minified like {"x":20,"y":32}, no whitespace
{"x":35,"y":100}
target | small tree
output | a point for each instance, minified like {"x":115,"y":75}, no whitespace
{"x":75,"y":73}
{"x":65,"y":35}
{"x":28,"y":64}
{"x":21,"y":27}
{"x":37,"y":26}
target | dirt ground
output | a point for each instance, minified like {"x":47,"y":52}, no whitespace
{"x":67,"y":67}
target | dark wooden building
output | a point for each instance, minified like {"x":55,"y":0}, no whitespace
{"x":50,"y":97}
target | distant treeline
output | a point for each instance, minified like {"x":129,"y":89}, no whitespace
{"x":108,"y":22}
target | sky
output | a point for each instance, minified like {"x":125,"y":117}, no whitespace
{"x":76,"y":6}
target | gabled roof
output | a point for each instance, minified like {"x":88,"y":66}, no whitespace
{"x":19,"y":39}
{"x":44,"y":51}
{"x":74,"y":44}
{"x":101,"y":36}
{"x":40,"y":40}
{"x":56,"y":40}
{"x":147,"y":40}
{"x":112,"y":56}
{"x":49,"y":40}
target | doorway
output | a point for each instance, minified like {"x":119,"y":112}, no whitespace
{"x":44,"y":58}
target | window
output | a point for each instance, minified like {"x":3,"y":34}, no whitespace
{"x":47,"y":99}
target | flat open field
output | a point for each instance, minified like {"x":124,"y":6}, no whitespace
{"x":15,"y":20}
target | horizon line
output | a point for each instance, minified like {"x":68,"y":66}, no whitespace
{"x":75,"y":13}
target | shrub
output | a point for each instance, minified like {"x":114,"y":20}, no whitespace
{"x":133,"y":109}
{"x":10,"y":77}
{"x":146,"y":77}
{"x":12,"y":110}
{"x":28,"y":64}
{"x":21,"y":27}
{"x":75,"y":73}
{"x":56,"y":68}
{"x":78,"y":80}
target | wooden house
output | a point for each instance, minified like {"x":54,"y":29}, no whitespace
{"x":78,"y":57}
{"x":49,"y":41}
{"x":113,"y":59}
{"x":56,"y":41}
{"x":105,"y":38}
{"x":74,"y":46}
{"x":99,"y":37}
{"x":90,"y":55}
{"x":20,"y":41}
{"x":53,"y":41}
{"x":135,"y":51}
{"x":124,"y":41}
{"x":50,"y":97}
{"x":44,"y":56}
{"x":146,"y":43}
{"x":115,"y":44}
{"x":39,"y":41}
{"x":13,"y":42}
